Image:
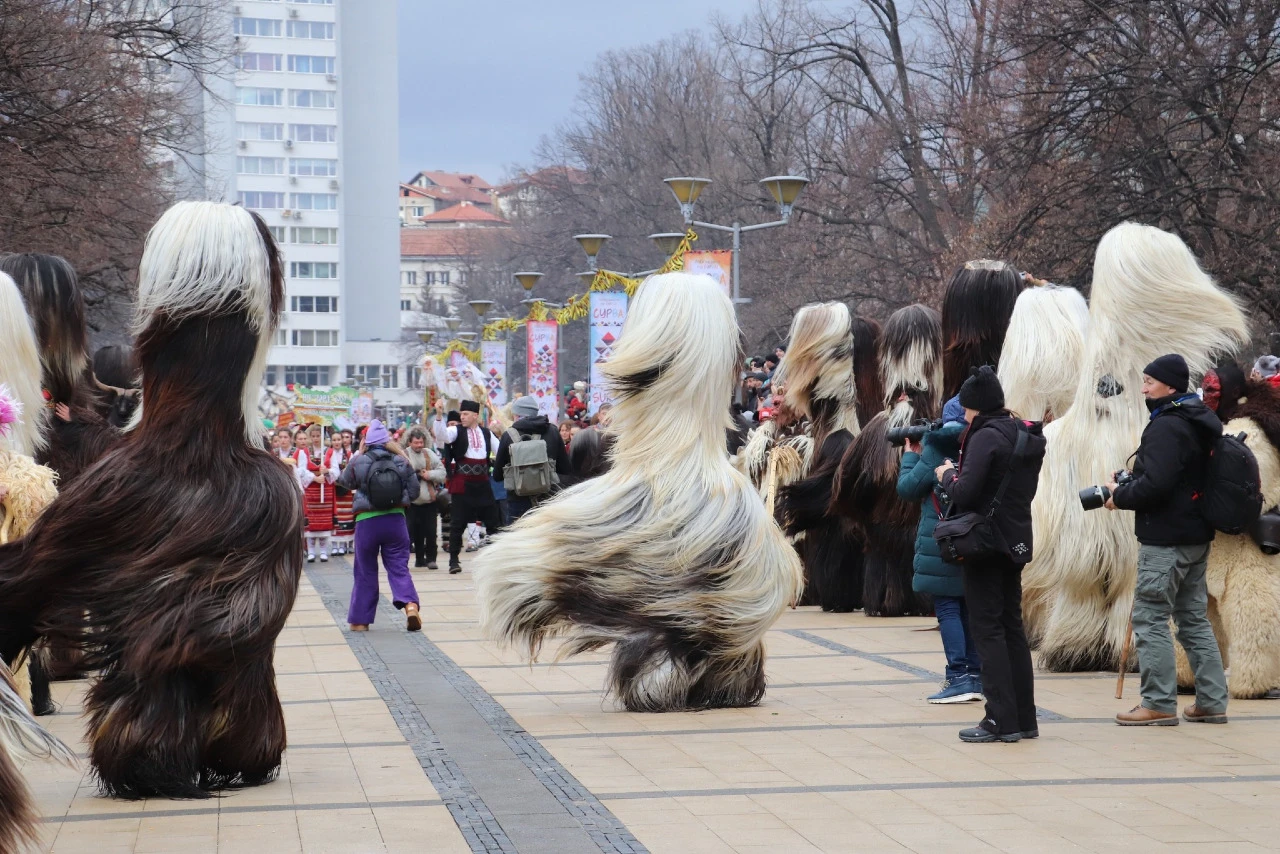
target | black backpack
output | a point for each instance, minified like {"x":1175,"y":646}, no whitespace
{"x":382,"y":485}
{"x":1232,"y":497}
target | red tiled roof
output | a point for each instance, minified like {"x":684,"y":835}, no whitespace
{"x":464,"y":212}
{"x":455,"y":180}
{"x":451,"y":195}
{"x":444,"y":242}
{"x":548,"y":176}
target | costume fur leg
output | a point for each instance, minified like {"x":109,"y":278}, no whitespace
{"x":1149,"y":297}
{"x":669,"y":555}
{"x":20,"y":736}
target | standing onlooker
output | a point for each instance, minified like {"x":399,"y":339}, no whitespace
{"x":374,"y":474}
{"x":942,"y":580}
{"x":1168,"y":477}
{"x":990,"y":457}
{"x":469,"y":448}
{"x":530,"y":426}
{"x":344,"y":517}
{"x":566,"y":432}
{"x":318,"y":497}
{"x":423,"y":512}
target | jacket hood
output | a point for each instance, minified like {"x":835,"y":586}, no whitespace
{"x":1190,"y":408}
{"x":1009,"y":426}
{"x":532,"y":424}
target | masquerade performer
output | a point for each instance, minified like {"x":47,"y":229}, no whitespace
{"x":866,"y":488}
{"x":78,"y":435}
{"x":976,"y":307}
{"x":317,"y":500}
{"x":1243,"y":581}
{"x":1149,"y":297}
{"x":1044,"y":343}
{"x":116,"y":372}
{"x":866,"y":367}
{"x":185,"y":601}
{"x":669,"y":555}
{"x":471,"y":447}
{"x":818,"y":374}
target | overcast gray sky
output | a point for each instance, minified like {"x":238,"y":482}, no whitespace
{"x":482,"y":80}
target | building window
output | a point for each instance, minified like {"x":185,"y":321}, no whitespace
{"x":310,"y":64}
{"x":282,"y":337}
{"x":257,"y":96}
{"x":272,"y":375}
{"x":316,"y":305}
{"x":413,"y":376}
{"x":315,"y":167}
{"x":390,"y":376}
{"x":258,"y":61}
{"x":440,"y":307}
{"x":462,"y":278}
{"x":444,"y":278}
{"x":429,"y":278}
{"x":406,"y":305}
{"x":313,"y":270}
{"x":314,"y":99}
{"x":277,"y":233}
{"x":309,"y":236}
{"x":261,"y":201}
{"x":306,"y":375}
{"x":260,"y":165}
{"x":310,"y":30}
{"x":409,"y":277}
{"x":259,"y":130}
{"x":315,"y":338}
{"x":264,"y":27}
{"x":418,"y":211}
{"x":313,"y":133}
{"x":315,"y":201}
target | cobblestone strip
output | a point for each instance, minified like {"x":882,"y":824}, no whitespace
{"x":604,"y":828}
{"x":473,"y":817}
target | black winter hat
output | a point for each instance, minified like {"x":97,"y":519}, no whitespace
{"x":1171,"y":370}
{"x":982,"y":390}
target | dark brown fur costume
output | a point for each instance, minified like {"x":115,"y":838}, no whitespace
{"x":866,"y":367}
{"x":976,"y":307}
{"x":184,"y":546}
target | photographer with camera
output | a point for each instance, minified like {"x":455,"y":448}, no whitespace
{"x":927,"y":446}
{"x":988,"y":530}
{"x":1168,"y":479}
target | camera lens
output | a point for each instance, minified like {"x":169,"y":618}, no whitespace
{"x":1093,"y":497}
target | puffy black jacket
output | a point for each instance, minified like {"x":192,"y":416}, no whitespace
{"x":986,"y":453}
{"x":1169,"y":472}
{"x":535,"y":425}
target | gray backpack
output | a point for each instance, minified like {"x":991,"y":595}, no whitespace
{"x":531,"y":472}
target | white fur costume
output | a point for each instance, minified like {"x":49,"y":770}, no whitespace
{"x":669,"y":555}
{"x":1149,"y":297}
{"x":1043,"y":346}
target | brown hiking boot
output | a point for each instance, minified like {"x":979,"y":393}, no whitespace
{"x":1197,"y":715}
{"x":1142,"y":716}
{"x":413,"y":622}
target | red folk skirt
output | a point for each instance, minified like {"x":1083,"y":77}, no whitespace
{"x":318,"y":504}
{"x":344,"y":514}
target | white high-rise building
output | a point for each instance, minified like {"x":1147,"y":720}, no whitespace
{"x":305,"y":133}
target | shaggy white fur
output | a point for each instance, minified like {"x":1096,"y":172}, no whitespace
{"x":208,"y":258}
{"x":1043,"y":347}
{"x":20,"y":371}
{"x":1149,"y":297}
{"x":818,"y":369}
{"x":670,"y":555}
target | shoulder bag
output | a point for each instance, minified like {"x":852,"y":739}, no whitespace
{"x":972,"y":536}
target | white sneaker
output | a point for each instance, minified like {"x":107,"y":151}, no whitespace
{"x":324,"y":557}
{"x":311,"y":558}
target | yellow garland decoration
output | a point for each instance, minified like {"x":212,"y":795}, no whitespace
{"x":473,"y":356}
{"x":579,"y":305}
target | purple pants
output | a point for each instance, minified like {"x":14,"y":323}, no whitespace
{"x":390,"y":535}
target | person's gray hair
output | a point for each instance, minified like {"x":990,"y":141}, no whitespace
{"x":1267,"y":366}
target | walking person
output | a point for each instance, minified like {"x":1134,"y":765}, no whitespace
{"x":470,"y":446}
{"x":530,"y":426}
{"x":318,"y":497}
{"x":997,"y":476}
{"x":384,"y":484}
{"x":423,"y":512}
{"x":943,"y":581}
{"x":1169,"y":474}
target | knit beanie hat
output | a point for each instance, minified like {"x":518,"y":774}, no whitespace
{"x":525,"y":407}
{"x":376,"y":434}
{"x":1267,"y":366}
{"x":982,"y":390}
{"x":1170,"y":369}
{"x":952,"y":411}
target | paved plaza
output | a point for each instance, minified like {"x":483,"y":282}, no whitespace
{"x":440,"y":742}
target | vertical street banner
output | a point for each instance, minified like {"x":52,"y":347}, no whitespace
{"x":716,"y":263}
{"x":542,"y":338}
{"x":608,"y":311}
{"x":493,"y":367}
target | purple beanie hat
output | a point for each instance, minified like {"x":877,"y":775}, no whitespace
{"x":376,"y":434}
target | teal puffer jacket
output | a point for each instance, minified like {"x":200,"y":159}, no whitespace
{"x":915,"y":483}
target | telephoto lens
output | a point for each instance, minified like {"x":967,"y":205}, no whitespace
{"x":1093,"y":497}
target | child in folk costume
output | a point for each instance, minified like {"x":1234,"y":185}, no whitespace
{"x":344,"y":517}
{"x":317,"y":500}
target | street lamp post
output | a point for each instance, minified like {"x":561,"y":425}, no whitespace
{"x":784,"y":189}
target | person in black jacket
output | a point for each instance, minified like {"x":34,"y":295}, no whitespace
{"x":1168,"y":477}
{"x":993,"y":585}
{"x":530,"y":423}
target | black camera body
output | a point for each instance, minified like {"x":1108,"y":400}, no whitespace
{"x":916,"y":431}
{"x":1093,"y":497}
